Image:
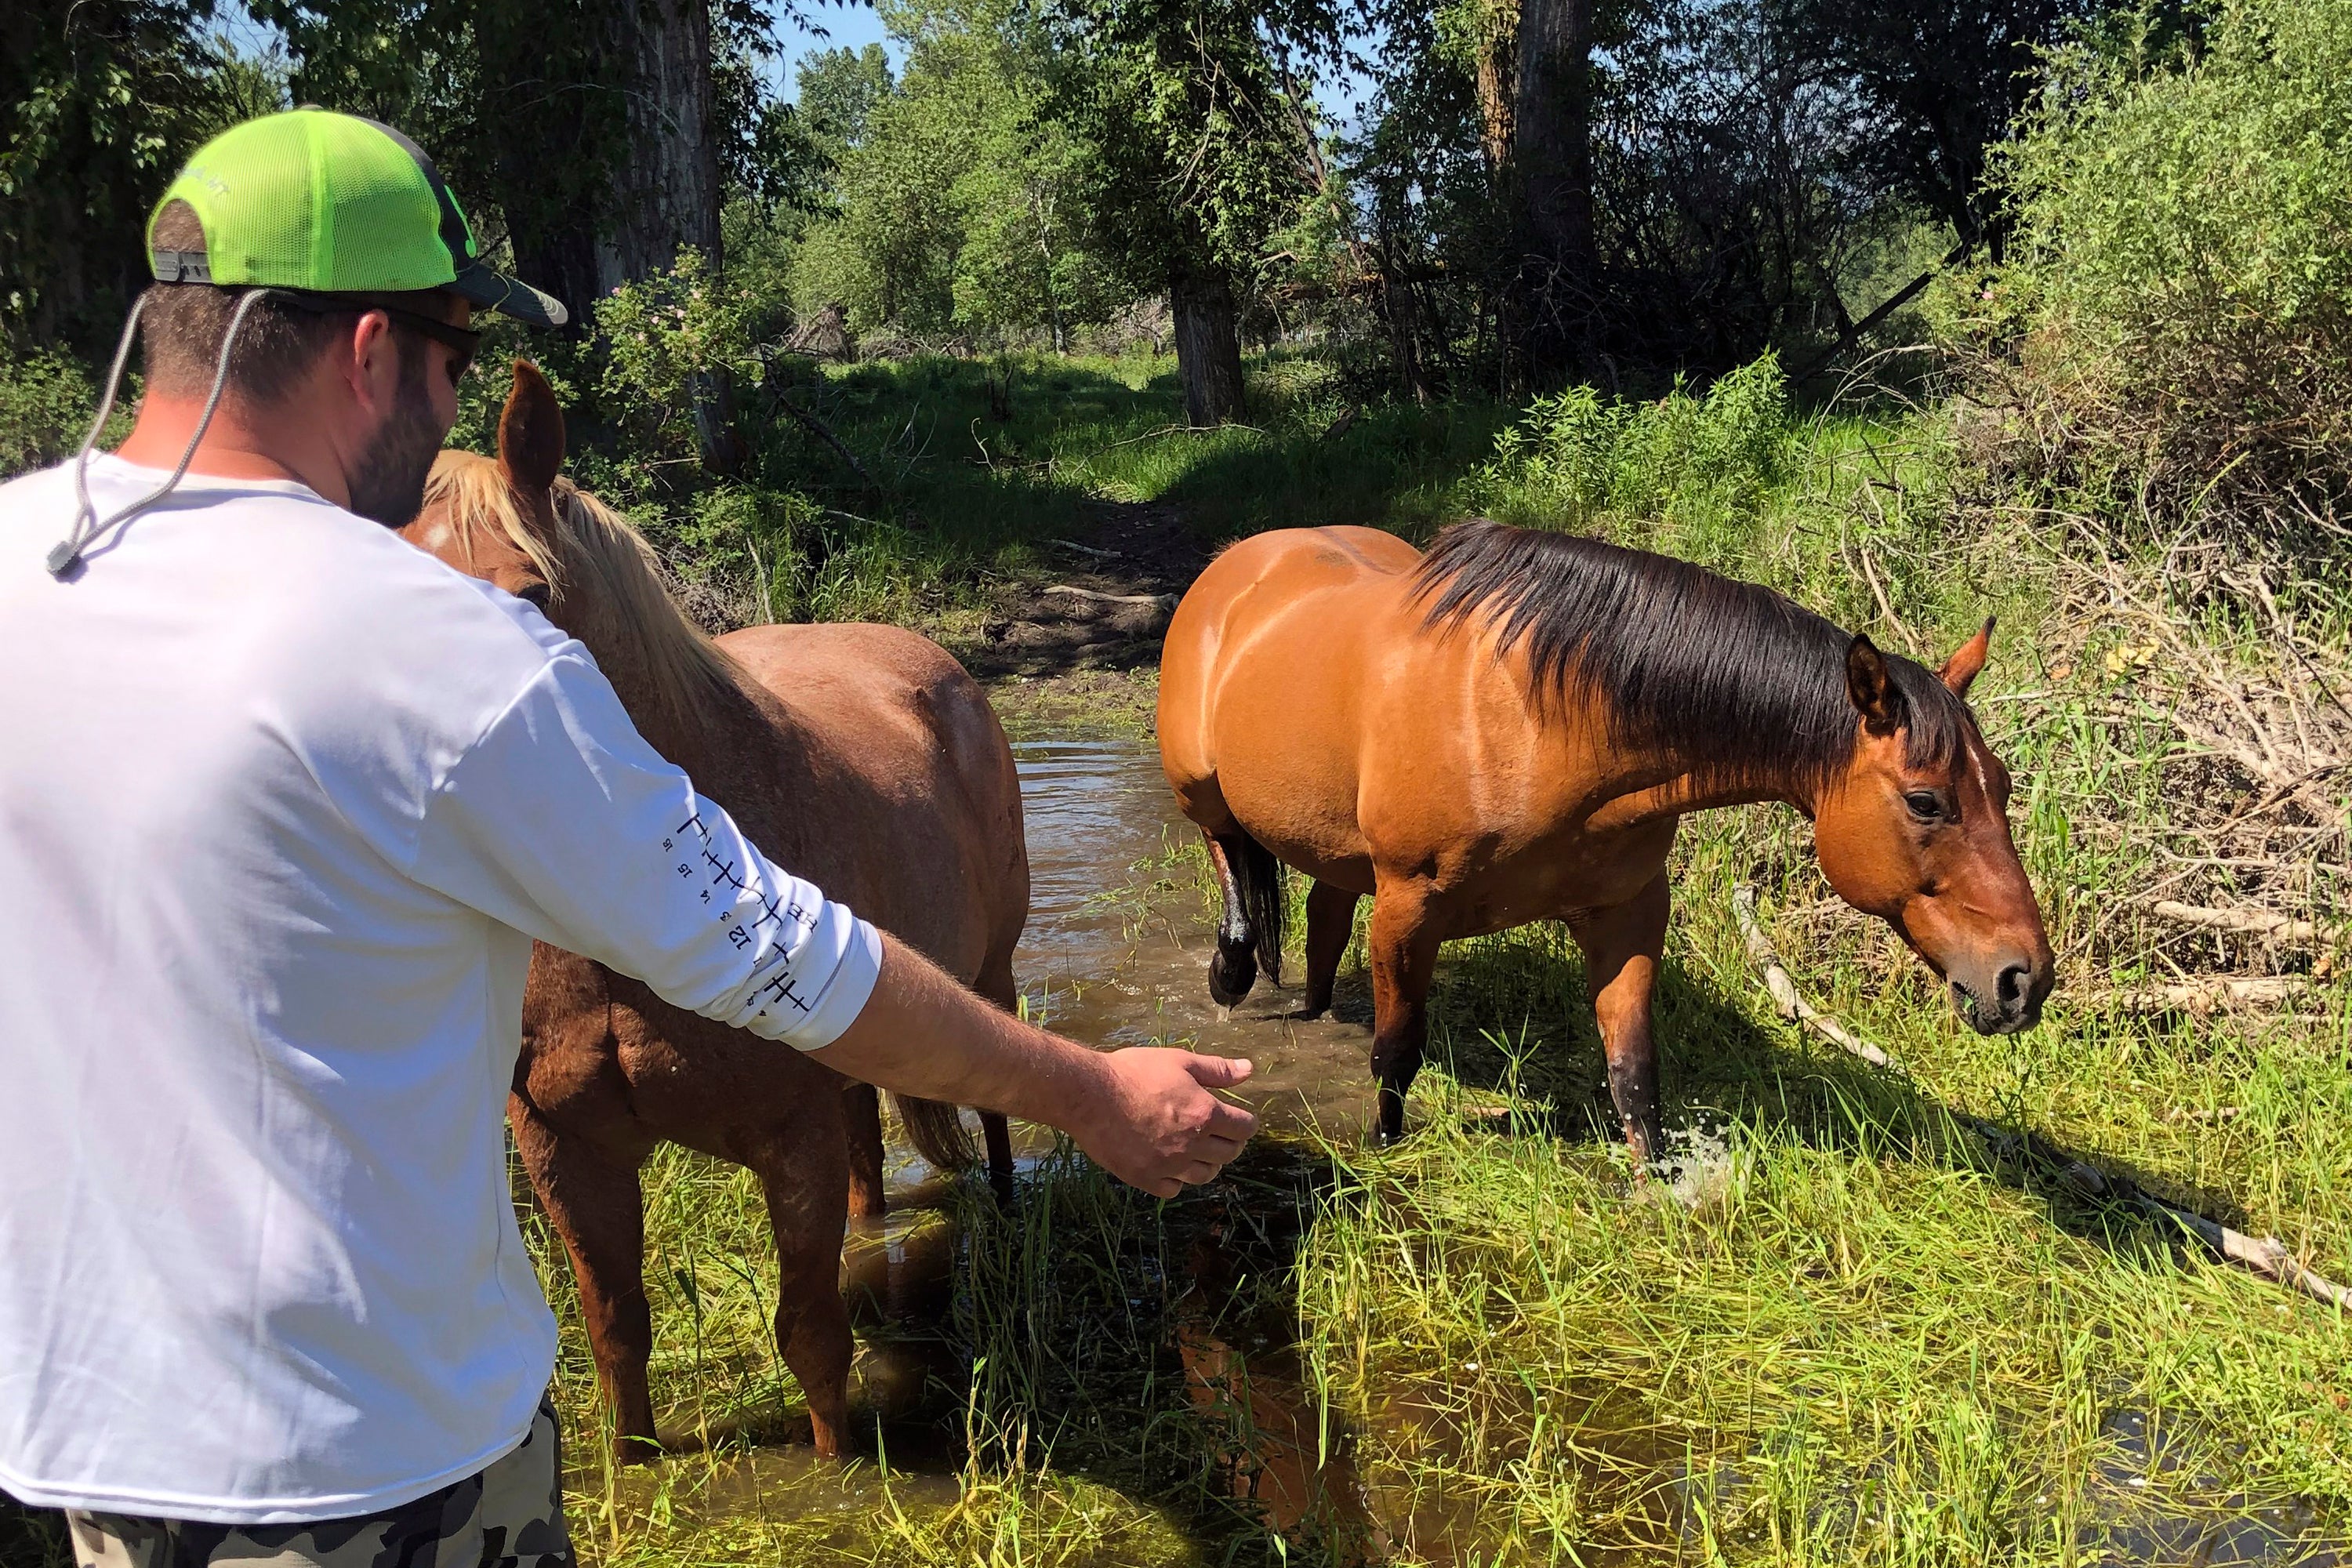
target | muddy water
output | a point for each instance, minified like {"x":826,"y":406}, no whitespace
{"x":1109,"y":959}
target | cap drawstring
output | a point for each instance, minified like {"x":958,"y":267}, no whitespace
{"x":67,"y":553}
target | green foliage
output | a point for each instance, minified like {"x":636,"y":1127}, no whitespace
{"x":99,"y":101}
{"x":838,"y":89}
{"x":960,"y":208}
{"x":1195,"y":125}
{"x":2179,"y":297}
{"x":45,"y":404}
{"x":666,"y":336}
{"x":1578,"y":460}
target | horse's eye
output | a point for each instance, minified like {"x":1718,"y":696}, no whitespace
{"x":1925,"y":806}
{"x":535,"y":595}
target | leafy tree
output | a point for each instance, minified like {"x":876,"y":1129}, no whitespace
{"x":104,"y":98}
{"x":1198,"y":131}
{"x":1938,"y":86}
{"x":838,"y":89}
{"x":961,"y":203}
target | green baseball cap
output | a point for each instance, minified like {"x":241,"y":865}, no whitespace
{"x":321,"y":203}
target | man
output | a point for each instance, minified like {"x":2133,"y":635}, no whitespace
{"x":283,"y":801}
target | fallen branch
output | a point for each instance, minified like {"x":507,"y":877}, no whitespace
{"x":1073,"y":544}
{"x":1786,"y":998}
{"x":2265,"y":1256}
{"x":2256,"y":922}
{"x":1159,"y":600}
{"x":2202,"y":996}
{"x":818,"y":428}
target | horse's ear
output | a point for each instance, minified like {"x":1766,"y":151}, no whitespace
{"x":531,"y":432}
{"x":1967,"y":660}
{"x":1871,"y":686}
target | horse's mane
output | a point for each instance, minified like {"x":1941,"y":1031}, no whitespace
{"x":595,"y":557}
{"x":1720,"y":674}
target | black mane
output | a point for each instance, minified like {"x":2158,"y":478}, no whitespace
{"x":1720,"y":674}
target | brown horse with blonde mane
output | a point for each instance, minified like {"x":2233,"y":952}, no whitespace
{"x":863,"y":758}
{"x":1509,"y":729}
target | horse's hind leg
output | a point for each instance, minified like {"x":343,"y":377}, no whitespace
{"x":861,"y":1110}
{"x":1232,"y":969}
{"x":1330,"y":921}
{"x":1622,"y":950}
{"x":1403,"y":950}
{"x":807,"y":1187}
{"x":597,"y":1208}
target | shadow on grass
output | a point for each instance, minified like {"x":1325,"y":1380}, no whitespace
{"x":33,"y":1536}
{"x":1516,"y":1016}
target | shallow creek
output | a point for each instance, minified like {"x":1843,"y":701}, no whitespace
{"x":1116,"y":954}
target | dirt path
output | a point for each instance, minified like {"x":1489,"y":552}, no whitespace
{"x":1077,"y":646}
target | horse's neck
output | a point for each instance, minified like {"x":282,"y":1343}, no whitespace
{"x":741,"y":748}
{"x":1664,"y":790}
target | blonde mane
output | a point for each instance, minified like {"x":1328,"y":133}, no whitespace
{"x":602,"y":572}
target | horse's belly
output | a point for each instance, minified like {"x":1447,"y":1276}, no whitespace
{"x":1562,"y":881}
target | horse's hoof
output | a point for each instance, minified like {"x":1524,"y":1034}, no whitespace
{"x":1230,"y":980}
{"x":635,"y":1450}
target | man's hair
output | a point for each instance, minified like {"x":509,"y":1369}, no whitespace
{"x":277,"y":346}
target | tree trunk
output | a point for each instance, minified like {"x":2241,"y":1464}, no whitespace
{"x":1552,"y":163}
{"x":1499,"y":85}
{"x":1208,"y":349}
{"x":666,"y":196}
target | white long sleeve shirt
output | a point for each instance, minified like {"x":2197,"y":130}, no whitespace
{"x":283,"y":801}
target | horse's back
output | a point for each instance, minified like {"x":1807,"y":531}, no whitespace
{"x":923,"y":802}
{"x":1260,"y":684}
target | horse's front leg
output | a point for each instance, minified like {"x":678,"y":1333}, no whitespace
{"x":597,"y":1208}
{"x":1622,"y":950}
{"x":1402,"y":944}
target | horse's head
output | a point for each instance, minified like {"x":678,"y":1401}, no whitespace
{"x":515,"y":522}
{"x":497,"y":519}
{"x":1922,"y":840}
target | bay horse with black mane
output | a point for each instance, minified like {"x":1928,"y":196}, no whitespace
{"x":861,"y":757}
{"x":1509,"y":728}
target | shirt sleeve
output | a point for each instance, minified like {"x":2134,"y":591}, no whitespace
{"x":563,"y":823}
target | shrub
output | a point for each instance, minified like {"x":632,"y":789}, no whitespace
{"x":46,"y":401}
{"x":2172,"y":327}
{"x":1577,"y":461}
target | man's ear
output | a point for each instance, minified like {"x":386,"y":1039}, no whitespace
{"x":1871,"y":686}
{"x":531,"y":432}
{"x":1967,"y":660}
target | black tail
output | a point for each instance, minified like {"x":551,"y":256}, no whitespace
{"x":1258,"y":877}
{"x":936,"y":1130}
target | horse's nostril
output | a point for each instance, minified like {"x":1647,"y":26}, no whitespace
{"x":2010,"y":986}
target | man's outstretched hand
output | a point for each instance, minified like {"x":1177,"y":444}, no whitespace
{"x":1160,"y":1124}
{"x":1148,"y":1115}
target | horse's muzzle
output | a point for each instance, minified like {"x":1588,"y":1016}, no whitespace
{"x":2009,"y":1004}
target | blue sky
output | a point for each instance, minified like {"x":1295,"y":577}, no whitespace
{"x":855,"y":27}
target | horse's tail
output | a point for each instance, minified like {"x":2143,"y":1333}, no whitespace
{"x":936,"y":1130}
{"x":1259,"y":875}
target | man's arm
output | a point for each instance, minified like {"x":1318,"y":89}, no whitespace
{"x":562,"y":822}
{"x":1145,"y":1115}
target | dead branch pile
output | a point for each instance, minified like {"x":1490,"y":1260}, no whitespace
{"x":2230,"y":855}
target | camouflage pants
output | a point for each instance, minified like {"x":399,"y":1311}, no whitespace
{"x":509,"y":1516}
